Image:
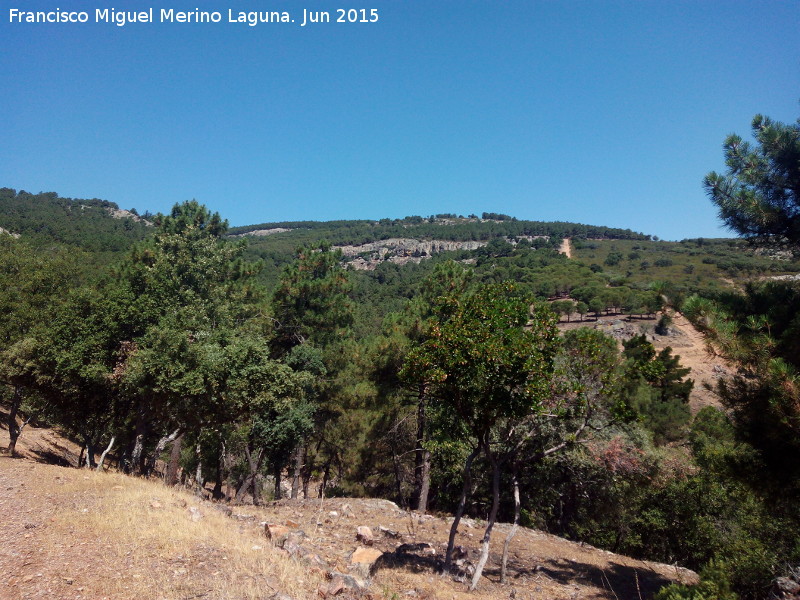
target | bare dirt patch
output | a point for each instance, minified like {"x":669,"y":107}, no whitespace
{"x":566,"y":247}
{"x":685,"y":341}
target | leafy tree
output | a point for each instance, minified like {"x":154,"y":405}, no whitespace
{"x":311,"y":307}
{"x":491,"y":361}
{"x":311,"y":302}
{"x":32,"y":286}
{"x":759,"y":197}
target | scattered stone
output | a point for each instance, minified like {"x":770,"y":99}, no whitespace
{"x":333,"y":514}
{"x":292,"y":524}
{"x":388,"y":532}
{"x":155,"y":504}
{"x":277,"y":534}
{"x":194,"y":514}
{"x":364,"y":535}
{"x":362,"y":561}
{"x":340,"y":582}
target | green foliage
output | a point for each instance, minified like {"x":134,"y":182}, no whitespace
{"x":310,"y":303}
{"x":483,"y":363}
{"x":657,"y":388}
{"x":714,"y":585}
{"x":759,"y":198}
{"x":87,"y":224}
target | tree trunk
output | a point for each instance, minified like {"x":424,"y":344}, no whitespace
{"x":467,"y":474}
{"x":308,"y":470}
{"x":325,"y":476}
{"x":298,"y":469}
{"x":198,"y":473}
{"x":277,"y":475}
{"x":251,"y":480}
{"x":105,"y":453}
{"x":398,"y":476}
{"x":492,"y":518}
{"x":514,"y":527}
{"x":137,"y":456}
{"x":422,"y":458}
{"x":217,"y":493}
{"x":13,"y":429}
{"x":162,"y":443}
{"x":171,"y":476}
{"x":90,"y":464}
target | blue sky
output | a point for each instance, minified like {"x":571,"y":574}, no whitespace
{"x":607,"y":113}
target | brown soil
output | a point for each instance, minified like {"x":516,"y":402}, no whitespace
{"x":684,"y":339}
{"x":71,"y":533}
{"x":566,"y":247}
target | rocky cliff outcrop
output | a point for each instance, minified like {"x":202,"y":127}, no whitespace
{"x":401,"y":251}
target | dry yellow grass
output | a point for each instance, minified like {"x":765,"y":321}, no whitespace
{"x":80,"y":535}
{"x":108,"y":535}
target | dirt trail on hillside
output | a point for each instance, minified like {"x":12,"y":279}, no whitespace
{"x":566,"y":247}
{"x":706,"y":368}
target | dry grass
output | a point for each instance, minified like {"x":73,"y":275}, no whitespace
{"x":112,"y":536}
{"x":80,"y":535}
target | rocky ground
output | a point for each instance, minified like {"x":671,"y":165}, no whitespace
{"x":76,"y":534}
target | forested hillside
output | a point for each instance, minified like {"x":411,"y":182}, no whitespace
{"x":92,"y":225}
{"x":256,"y":366}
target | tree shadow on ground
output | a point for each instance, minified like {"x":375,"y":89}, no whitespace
{"x":619,"y":581}
{"x":408,"y":557}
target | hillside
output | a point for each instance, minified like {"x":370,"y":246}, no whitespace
{"x":97,"y":226}
{"x":81,"y":534}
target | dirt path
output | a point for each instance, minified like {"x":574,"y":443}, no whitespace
{"x":566,"y":247}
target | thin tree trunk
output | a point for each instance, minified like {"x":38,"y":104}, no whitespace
{"x":171,"y":477}
{"x":198,"y":473}
{"x":514,"y":527}
{"x":162,"y":443}
{"x":298,"y":469}
{"x":277,"y":475}
{"x":398,"y":476}
{"x":90,"y":464}
{"x":307,"y":470}
{"x":14,"y":430}
{"x":467,"y":474}
{"x":325,"y":476}
{"x":492,"y":518}
{"x":105,"y":453}
{"x":251,"y":480}
{"x":137,"y":456}
{"x":422,"y":458}
{"x":217,"y":493}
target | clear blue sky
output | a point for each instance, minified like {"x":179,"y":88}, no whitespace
{"x":607,"y":113}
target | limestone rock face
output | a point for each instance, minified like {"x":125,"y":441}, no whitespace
{"x":401,"y":251}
